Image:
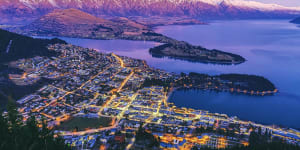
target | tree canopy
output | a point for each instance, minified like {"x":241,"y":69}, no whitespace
{"x":17,"y":135}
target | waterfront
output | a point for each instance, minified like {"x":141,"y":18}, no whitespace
{"x":271,"y":50}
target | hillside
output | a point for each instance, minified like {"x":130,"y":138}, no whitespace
{"x":14,"y":46}
{"x":76,"y":23}
{"x":184,"y":51}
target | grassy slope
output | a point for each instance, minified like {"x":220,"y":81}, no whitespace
{"x":83,"y":123}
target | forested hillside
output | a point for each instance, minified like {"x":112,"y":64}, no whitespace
{"x":14,"y":46}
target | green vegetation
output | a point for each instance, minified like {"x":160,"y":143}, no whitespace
{"x":200,"y":130}
{"x":79,"y":123}
{"x":167,"y":83}
{"x":23,"y":46}
{"x":152,"y":34}
{"x":146,"y":139}
{"x":157,"y":82}
{"x":9,"y":89}
{"x":185,"y":51}
{"x":236,"y":81}
{"x":248,"y":82}
{"x":200,"y":77}
{"x":16,"y":135}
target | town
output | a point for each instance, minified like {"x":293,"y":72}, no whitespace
{"x":101,"y":100}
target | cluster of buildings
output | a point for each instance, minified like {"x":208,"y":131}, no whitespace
{"x":91,"y":84}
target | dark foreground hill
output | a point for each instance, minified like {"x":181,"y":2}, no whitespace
{"x":14,"y":46}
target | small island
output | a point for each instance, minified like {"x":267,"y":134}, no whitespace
{"x":186,"y":51}
{"x":78,"y":24}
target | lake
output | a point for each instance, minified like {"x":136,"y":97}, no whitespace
{"x":272,"y":50}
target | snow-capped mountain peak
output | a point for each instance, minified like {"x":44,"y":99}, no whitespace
{"x":203,"y":9}
{"x":97,"y":3}
{"x":258,"y":5}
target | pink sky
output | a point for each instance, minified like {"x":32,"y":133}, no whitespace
{"x":282,"y":2}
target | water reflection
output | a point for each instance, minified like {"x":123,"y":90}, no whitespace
{"x":272,"y":50}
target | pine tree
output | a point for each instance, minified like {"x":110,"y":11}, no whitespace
{"x":16,"y":135}
{"x":4,"y":136}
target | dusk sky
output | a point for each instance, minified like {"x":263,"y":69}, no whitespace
{"x":282,"y":2}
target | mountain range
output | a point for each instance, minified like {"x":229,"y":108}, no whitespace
{"x":20,"y":10}
{"x":76,"y":23}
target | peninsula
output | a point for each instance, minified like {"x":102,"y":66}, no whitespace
{"x":95,"y":95}
{"x":78,"y":24}
{"x":185,"y":51}
{"x":75,"y":23}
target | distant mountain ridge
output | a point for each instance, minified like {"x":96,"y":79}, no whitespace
{"x":76,"y":23}
{"x":73,"y":22}
{"x":202,"y":9}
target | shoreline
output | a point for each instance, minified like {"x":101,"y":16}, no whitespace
{"x":197,"y":60}
{"x":184,"y":51}
{"x":232,"y":91}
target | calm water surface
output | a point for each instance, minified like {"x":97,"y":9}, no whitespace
{"x":272,"y":49}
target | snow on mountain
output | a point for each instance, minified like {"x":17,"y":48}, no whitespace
{"x":258,"y":5}
{"x":118,"y":3}
{"x":208,"y":9}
